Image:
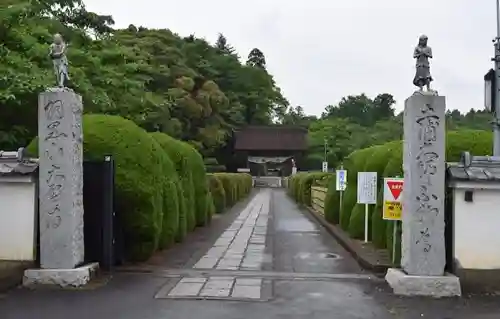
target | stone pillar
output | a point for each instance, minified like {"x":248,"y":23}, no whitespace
{"x":61,"y":179}
{"x":423,"y":243}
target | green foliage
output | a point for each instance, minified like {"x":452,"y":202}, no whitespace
{"x":195,"y":161}
{"x":144,"y":178}
{"x":299,"y":185}
{"x":358,"y":121}
{"x":217,"y":192}
{"x":184,"y":87}
{"x":378,"y":224}
{"x":236,"y":186}
{"x":387,"y":161}
{"x":332,"y":202}
{"x":179,"y":153}
{"x":354,"y":163}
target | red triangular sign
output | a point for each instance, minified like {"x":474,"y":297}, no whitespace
{"x":396,"y":187}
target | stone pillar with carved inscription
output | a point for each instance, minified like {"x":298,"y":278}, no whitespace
{"x":60,"y":179}
{"x":423,"y":242}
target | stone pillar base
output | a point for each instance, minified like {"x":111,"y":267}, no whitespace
{"x":75,"y":277}
{"x":431,"y":286}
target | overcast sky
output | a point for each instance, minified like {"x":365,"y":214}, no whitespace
{"x":322,"y":50}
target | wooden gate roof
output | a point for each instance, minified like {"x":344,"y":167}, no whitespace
{"x":272,"y":137}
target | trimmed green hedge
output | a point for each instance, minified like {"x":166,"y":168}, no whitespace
{"x":299,"y":185}
{"x":387,"y":161}
{"x":235,"y":186}
{"x":179,"y":153}
{"x":354,"y":163}
{"x":332,"y":202}
{"x":202,"y":214}
{"x":161,"y":186}
{"x":144,"y":178}
{"x":217,"y":192}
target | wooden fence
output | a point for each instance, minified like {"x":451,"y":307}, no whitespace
{"x":318,"y":195}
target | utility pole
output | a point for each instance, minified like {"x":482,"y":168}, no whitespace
{"x":496,"y":107}
{"x":325,"y":145}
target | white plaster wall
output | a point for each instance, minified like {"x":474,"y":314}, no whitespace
{"x":477,"y":229}
{"x":17,"y":220}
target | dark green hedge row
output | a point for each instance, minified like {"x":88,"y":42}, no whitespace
{"x":387,"y":161}
{"x":299,"y":185}
{"x":161,"y":186}
{"x":228,"y":188}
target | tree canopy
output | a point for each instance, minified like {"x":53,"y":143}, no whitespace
{"x":357,"y":122}
{"x":185,"y":87}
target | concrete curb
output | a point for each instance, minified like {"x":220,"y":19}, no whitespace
{"x":355,"y":249}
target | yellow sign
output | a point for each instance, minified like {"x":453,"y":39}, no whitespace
{"x":392,"y":210}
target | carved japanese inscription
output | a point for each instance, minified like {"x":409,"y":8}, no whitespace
{"x":423,"y":251}
{"x":60,"y":180}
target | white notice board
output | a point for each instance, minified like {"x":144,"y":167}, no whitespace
{"x":367,"y":187}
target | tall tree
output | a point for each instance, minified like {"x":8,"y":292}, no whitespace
{"x":223,"y":46}
{"x":256,"y":58}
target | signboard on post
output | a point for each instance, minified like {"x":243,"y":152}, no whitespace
{"x":393,"y":189}
{"x":341,"y":180}
{"x":367,"y":194}
{"x":367,"y":188}
{"x":325,"y":167}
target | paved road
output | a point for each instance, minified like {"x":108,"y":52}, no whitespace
{"x":265,"y":259}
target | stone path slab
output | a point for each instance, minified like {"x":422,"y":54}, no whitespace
{"x":242,"y":245}
{"x":218,"y":288}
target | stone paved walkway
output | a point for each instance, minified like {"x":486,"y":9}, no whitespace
{"x":240,"y":247}
{"x":243,"y":243}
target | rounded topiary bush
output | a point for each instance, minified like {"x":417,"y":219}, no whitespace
{"x":294,"y":185}
{"x":229,"y":189}
{"x":354,"y":163}
{"x":244,"y":184}
{"x":377,"y":163}
{"x":179,"y":154}
{"x":306,"y":181}
{"x":141,"y":180}
{"x":217,"y":192}
{"x":478,"y":143}
{"x":357,"y":216}
{"x":332,"y":202}
{"x":195,"y":161}
{"x":210,"y":205}
{"x":236,"y":186}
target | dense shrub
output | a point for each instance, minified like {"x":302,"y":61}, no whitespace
{"x":179,"y":153}
{"x":143,"y":178}
{"x":306,"y":183}
{"x":195,"y":161}
{"x":295,"y":185}
{"x":210,"y":205}
{"x":354,"y":163}
{"x":299,"y":185}
{"x":236,"y":186}
{"x":217,"y":193}
{"x":387,"y":161}
{"x":332,"y":202}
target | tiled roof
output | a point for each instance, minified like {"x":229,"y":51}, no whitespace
{"x":475,"y":168}
{"x":9,"y":168}
{"x":272,"y":137}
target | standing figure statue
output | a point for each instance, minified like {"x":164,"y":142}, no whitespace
{"x":58,"y":55}
{"x":422,"y":54}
